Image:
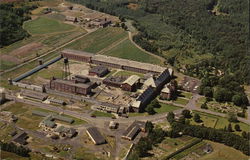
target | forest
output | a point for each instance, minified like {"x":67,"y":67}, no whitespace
{"x":11,"y":21}
{"x":198,"y":37}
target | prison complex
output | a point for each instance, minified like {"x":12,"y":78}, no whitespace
{"x":112,"y":62}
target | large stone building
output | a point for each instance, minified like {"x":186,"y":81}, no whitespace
{"x":131,"y":83}
{"x":112,"y":62}
{"x":71,"y":86}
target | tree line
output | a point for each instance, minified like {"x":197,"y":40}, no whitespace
{"x":11,"y":21}
{"x":181,"y":127}
{"x":11,"y":147}
{"x":189,"y":29}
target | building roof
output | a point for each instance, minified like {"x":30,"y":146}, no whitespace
{"x":20,"y":138}
{"x":99,"y":69}
{"x":63,"y":118}
{"x":150,"y":82}
{"x":133,"y":129}
{"x":72,"y":83}
{"x":77,"y":53}
{"x":129,"y":63}
{"x":33,"y":94}
{"x":117,"y":79}
{"x":81,"y":79}
{"x":62,"y":129}
{"x":40,"y":113}
{"x":95,"y":135}
{"x":146,"y":94}
{"x":165,"y":90}
{"x":163,"y":77}
{"x":131,"y":80}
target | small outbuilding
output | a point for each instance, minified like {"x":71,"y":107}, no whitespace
{"x":95,"y":136}
{"x":131,"y":83}
{"x":99,"y":71}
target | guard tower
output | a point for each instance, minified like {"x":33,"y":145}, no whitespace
{"x":66,"y":71}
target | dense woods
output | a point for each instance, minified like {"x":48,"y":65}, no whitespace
{"x":11,"y":147}
{"x":11,"y":21}
{"x":199,"y":37}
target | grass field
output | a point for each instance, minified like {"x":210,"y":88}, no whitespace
{"x":101,"y":114}
{"x":127,"y":50}
{"x":164,"y":108}
{"x":128,"y":73}
{"x":221,"y":122}
{"x":180,"y":100}
{"x":99,"y":39}
{"x":44,"y":25}
{"x":222,"y":152}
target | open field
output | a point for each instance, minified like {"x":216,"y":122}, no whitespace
{"x":218,"y":122}
{"x":180,"y":100}
{"x":222,"y":152}
{"x":164,"y":108}
{"x":44,"y":25}
{"x":168,"y":146}
{"x":127,"y":50}
{"x":128,"y":73}
{"x":101,"y":114}
{"x":29,"y":121}
{"x":98,"y":40}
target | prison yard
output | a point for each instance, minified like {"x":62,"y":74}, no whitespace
{"x":79,"y":87}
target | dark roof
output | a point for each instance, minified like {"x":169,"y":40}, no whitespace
{"x":163,"y":77}
{"x":81,"y":79}
{"x":33,"y":94}
{"x":96,"y":135}
{"x":146,"y":94}
{"x":134,"y":129}
{"x":117,"y":79}
{"x":72,"y":83}
{"x":36,"y":69}
{"x":20,"y":138}
{"x":99,"y":69}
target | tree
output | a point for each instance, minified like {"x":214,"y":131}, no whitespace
{"x":155,"y":103}
{"x":150,"y":109}
{"x":244,"y":134}
{"x":204,"y":106}
{"x":208,"y":92}
{"x":229,"y":128}
{"x":186,"y":113}
{"x":170,"y":117}
{"x":232,"y":117}
{"x":240,"y":99}
{"x":197,"y":118}
{"x":237,"y":127}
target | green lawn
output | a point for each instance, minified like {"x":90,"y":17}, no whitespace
{"x":127,"y":50}
{"x":180,"y":100}
{"x":209,"y":120}
{"x":186,"y":94}
{"x":99,"y":39}
{"x":223,"y":152}
{"x":44,"y":25}
{"x":101,"y":114}
{"x":128,"y":73}
{"x":166,"y":108}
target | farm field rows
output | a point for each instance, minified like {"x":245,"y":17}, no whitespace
{"x":127,"y":50}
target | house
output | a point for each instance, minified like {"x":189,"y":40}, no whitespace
{"x":133,"y":130}
{"x":99,"y":71}
{"x":165,"y":93}
{"x":66,"y":132}
{"x":71,"y":19}
{"x":131,"y":83}
{"x":106,"y":107}
{"x":95,"y":136}
{"x":57,"y":101}
{"x":149,"y":82}
{"x":20,"y":139}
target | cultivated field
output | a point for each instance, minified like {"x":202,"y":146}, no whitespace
{"x":127,"y":50}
